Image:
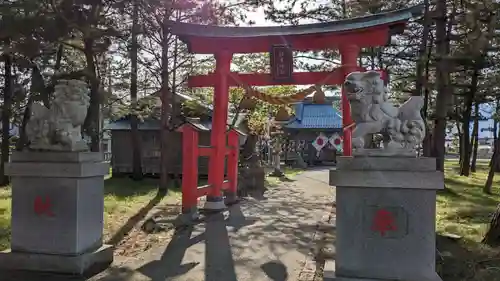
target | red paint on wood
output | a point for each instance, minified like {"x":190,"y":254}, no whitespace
{"x":265,"y":79}
{"x":205,"y":151}
{"x":219,"y":123}
{"x":349,"y":56}
{"x":226,"y":185}
{"x":203,"y":190}
{"x":368,"y":37}
{"x":43,"y":206}
{"x":189,"y":167}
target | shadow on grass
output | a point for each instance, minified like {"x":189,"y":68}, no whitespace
{"x":465,"y":260}
{"x":135,"y":219}
{"x":467,"y":192}
{"x":449,"y":193}
{"x":474,"y":215}
{"x":125,"y":187}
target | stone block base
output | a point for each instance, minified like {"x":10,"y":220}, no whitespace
{"x":329,"y":275}
{"x":214,"y":204}
{"x":76,"y":265}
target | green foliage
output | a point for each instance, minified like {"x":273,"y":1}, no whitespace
{"x":261,"y":116}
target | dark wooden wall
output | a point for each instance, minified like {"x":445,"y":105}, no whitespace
{"x":121,"y":149}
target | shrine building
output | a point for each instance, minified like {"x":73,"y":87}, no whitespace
{"x":312,"y":121}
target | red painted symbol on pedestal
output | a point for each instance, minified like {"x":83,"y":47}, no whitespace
{"x":383,"y":222}
{"x":43,"y":207}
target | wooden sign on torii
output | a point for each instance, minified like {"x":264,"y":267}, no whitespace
{"x":348,"y":36}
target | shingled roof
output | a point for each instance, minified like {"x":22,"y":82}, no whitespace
{"x":315,"y":116}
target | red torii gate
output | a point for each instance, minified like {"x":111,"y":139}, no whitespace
{"x":348,"y":36}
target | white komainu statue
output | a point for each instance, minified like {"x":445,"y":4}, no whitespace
{"x":373,"y":113}
{"x":58,"y":128}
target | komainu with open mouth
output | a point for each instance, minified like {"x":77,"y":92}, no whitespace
{"x":373,"y":113}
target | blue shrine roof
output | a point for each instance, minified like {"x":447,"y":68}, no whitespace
{"x":315,"y":116}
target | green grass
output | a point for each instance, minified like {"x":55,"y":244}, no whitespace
{"x":463,"y":209}
{"x":289,"y":173}
{"x":4,"y":218}
{"x":123,"y":199}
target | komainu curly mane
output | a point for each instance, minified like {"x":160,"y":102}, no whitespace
{"x":373,"y":112}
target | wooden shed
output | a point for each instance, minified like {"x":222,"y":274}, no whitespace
{"x":149,"y":130}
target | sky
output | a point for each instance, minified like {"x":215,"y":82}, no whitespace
{"x":259,"y":18}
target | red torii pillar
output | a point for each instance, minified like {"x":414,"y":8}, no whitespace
{"x":215,"y":198}
{"x":349,"y":56}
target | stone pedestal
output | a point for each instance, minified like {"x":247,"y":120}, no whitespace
{"x":57,"y":212}
{"x":386,"y":210}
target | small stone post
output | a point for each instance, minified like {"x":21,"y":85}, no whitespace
{"x":57,"y":212}
{"x":386,"y":216}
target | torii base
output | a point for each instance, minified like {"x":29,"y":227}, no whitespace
{"x":214,"y":204}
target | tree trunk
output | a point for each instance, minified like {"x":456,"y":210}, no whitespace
{"x":475,"y":138}
{"x":93,"y":121}
{"x":460,"y":143}
{"x":423,"y":57}
{"x":493,"y":163}
{"x":427,"y":144}
{"x":465,"y":145}
{"x":6,"y":115}
{"x":134,"y":120}
{"x":492,"y":237}
{"x":23,"y":138}
{"x":166,"y":108}
{"x":496,"y":133}
{"x":442,"y":83}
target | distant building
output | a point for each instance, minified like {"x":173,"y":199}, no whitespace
{"x":309,"y":121}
